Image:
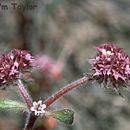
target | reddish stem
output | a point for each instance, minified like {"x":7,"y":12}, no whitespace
{"x":24,"y":93}
{"x":65,"y":89}
{"x":30,"y":121}
{"x":26,"y":97}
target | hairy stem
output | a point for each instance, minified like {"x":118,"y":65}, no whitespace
{"x":26,"y":97}
{"x":65,"y":89}
{"x":30,"y":122}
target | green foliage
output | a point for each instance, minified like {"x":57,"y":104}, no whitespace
{"x":66,"y":116}
{"x":12,"y":105}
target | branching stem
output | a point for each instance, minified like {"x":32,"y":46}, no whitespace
{"x":32,"y":118}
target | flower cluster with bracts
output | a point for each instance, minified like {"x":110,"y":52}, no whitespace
{"x":12,"y":63}
{"x":111,"y":65}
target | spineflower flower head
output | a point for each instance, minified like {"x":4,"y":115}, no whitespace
{"x":12,"y":63}
{"x":38,"y":108}
{"x":111,"y":65}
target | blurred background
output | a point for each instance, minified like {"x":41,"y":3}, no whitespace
{"x":64,"y":33}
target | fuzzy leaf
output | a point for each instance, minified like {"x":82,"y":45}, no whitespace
{"x":14,"y":105}
{"x":66,"y":116}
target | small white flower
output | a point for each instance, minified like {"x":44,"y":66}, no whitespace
{"x":109,"y":53}
{"x":105,"y":52}
{"x":38,"y":108}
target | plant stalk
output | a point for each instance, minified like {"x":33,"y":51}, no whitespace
{"x":65,"y":89}
{"x":30,"y":121}
{"x":24,"y":93}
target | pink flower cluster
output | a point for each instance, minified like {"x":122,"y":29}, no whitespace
{"x":111,"y":64}
{"x":12,"y":63}
{"x":47,"y":65}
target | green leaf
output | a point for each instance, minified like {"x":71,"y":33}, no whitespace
{"x":13,"y":105}
{"x":66,"y":116}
